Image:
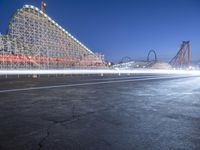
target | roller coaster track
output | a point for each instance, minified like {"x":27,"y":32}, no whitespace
{"x":182,"y":58}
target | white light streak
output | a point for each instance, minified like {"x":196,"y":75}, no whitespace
{"x":99,"y":71}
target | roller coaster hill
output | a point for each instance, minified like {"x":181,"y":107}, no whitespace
{"x":35,"y":41}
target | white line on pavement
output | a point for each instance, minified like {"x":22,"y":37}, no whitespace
{"x":84,"y":84}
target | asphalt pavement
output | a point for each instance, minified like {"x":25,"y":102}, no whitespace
{"x":140,"y":112}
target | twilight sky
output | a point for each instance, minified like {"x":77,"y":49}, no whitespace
{"x":120,"y":28}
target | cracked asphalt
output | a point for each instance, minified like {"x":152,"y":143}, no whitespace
{"x":149,"y":114}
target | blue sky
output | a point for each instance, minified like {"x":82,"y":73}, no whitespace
{"x":118,"y":28}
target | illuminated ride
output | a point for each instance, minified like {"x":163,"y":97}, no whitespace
{"x":35,"y":41}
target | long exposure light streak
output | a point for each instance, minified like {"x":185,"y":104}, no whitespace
{"x":98,"y":71}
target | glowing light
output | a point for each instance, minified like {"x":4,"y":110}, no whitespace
{"x":100,"y":71}
{"x":56,"y":24}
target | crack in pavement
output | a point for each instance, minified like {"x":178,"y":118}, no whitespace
{"x":40,"y":144}
{"x":72,"y":119}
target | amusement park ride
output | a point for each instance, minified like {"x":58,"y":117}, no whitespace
{"x":182,"y":58}
{"x":35,"y":41}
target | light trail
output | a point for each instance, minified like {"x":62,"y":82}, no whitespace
{"x":88,"y":83}
{"x":98,"y":71}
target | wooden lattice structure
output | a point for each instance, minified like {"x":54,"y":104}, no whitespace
{"x":35,"y":41}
